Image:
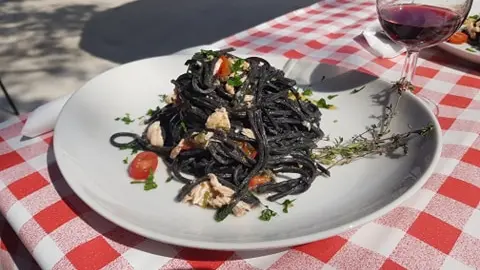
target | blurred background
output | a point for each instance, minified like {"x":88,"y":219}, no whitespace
{"x":49,"y":48}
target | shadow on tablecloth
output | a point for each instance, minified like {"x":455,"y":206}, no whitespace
{"x":13,"y":254}
{"x":148,"y":28}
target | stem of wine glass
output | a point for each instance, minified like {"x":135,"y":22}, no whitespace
{"x":408,"y":71}
{"x":406,"y":80}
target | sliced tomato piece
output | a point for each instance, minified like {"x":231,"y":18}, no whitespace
{"x":142,"y":164}
{"x":224,"y":69}
{"x":458,"y":38}
{"x":248,"y":149}
{"x":258,"y":180}
{"x":187,"y":145}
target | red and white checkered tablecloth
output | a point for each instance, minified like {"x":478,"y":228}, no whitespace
{"x":438,"y":228}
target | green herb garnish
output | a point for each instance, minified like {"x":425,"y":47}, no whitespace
{"x":377,"y":139}
{"x":134,"y":148}
{"x":163,"y":98}
{"x":335,"y":121}
{"x":150,"y":112}
{"x":267,"y":214}
{"x":169,"y":179}
{"x":357,"y":90}
{"x":223,"y":212}
{"x":307,"y":92}
{"x":471,"y":49}
{"x":237,"y":66}
{"x":331,"y":96}
{"x":209,"y":52}
{"x":235,"y":81}
{"x":126,"y":119}
{"x":322,"y":103}
{"x":183,"y":125}
{"x":287,"y":204}
{"x":150,"y":183}
{"x":125,"y":160}
{"x":206,"y":197}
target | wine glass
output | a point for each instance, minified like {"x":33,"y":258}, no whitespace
{"x":419,"y":24}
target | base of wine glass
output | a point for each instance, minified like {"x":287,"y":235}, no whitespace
{"x":405,"y":85}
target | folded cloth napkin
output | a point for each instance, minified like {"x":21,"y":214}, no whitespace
{"x":380,"y":44}
{"x":43,"y":119}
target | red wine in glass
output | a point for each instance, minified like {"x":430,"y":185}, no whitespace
{"x":418,"y":26}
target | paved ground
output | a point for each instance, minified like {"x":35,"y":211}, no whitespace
{"x":51,"y":47}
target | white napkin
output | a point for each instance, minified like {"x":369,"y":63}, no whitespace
{"x":380,"y":44}
{"x":43,"y":118}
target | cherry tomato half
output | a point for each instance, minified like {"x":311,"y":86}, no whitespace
{"x":187,"y":145}
{"x":224,"y":69}
{"x":458,"y":38}
{"x":142,"y":164}
{"x":258,"y":180}
{"x":248,"y":149}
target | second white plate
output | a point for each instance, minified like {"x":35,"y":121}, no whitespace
{"x":460,"y":50}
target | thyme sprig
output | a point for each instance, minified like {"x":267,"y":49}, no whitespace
{"x":377,"y":139}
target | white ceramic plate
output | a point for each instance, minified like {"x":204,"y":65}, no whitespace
{"x":355,"y":194}
{"x":460,"y":50}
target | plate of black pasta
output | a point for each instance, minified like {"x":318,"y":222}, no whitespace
{"x":219,"y":150}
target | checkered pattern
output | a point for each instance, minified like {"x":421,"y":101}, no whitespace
{"x":438,"y":228}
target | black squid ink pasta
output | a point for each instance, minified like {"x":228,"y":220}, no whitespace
{"x":230,"y":129}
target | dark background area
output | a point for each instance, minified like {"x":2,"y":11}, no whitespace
{"x":34,"y":34}
{"x":148,"y":28}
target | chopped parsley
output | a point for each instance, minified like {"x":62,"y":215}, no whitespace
{"x":183,"y":125}
{"x":307,"y":92}
{"x":125,"y":160}
{"x":335,"y":121}
{"x":206,"y":197}
{"x":126,"y":119}
{"x":471,"y":49}
{"x":354,"y":91}
{"x":163,"y":98}
{"x":237,"y":66}
{"x":322,"y":104}
{"x":267,"y":214}
{"x":150,"y":112}
{"x":134,"y":149}
{"x":169,"y":179}
{"x":331,"y":96}
{"x":150,"y":182}
{"x":209,"y":52}
{"x":235,"y":81}
{"x":287,"y":204}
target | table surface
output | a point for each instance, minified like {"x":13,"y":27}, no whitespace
{"x":44,"y":224}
